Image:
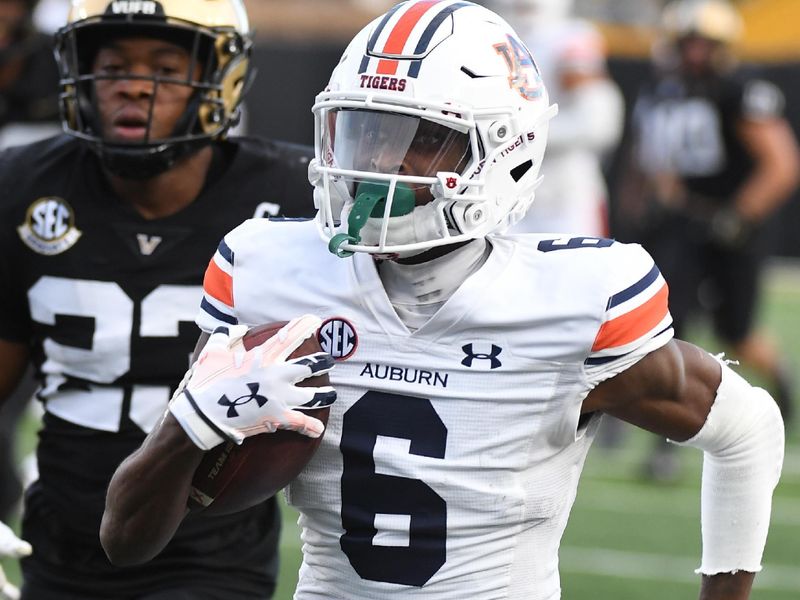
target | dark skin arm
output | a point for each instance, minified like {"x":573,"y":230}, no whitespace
{"x":774,"y":150}
{"x":670,"y":392}
{"x":146,"y":499}
{"x":14,"y":359}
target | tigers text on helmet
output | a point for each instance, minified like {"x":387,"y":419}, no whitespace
{"x":216,"y":33}
{"x":430,"y":132}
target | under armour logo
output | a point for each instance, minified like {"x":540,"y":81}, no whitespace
{"x":451,"y":182}
{"x":241,"y":400}
{"x":472,"y":355}
{"x":147,"y":244}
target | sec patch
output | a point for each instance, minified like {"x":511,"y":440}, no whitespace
{"x":49,"y":226}
{"x":338,"y":337}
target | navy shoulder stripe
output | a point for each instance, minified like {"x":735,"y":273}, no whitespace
{"x":217,"y":314}
{"x":225,"y":251}
{"x":637,"y":287}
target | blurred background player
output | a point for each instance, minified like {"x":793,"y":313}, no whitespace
{"x":104,"y":238}
{"x":28,"y":77}
{"x":570,"y":54}
{"x":50,"y":15}
{"x":712,"y":160}
{"x":28,"y":112}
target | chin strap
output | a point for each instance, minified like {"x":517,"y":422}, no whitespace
{"x":371,"y":198}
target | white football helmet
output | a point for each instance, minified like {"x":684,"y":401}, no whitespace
{"x":431,"y":131}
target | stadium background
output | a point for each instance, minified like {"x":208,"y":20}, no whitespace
{"x":627,"y":538}
{"x":300,"y":41}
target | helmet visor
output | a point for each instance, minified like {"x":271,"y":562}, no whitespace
{"x":393,"y":144}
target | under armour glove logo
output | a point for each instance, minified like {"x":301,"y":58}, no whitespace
{"x":241,"y":400}
{"x":472,"y":355}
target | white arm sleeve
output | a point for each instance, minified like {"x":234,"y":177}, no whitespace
{"x":743,"y":442}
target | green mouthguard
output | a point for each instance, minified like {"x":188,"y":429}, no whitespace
{"x":371,"y":202}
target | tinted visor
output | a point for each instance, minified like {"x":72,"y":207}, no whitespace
{"x":392,"y":144}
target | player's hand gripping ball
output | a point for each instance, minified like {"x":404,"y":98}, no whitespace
{"x":227,"y":399}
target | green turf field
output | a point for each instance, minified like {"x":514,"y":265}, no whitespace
{"x":628,"y":539}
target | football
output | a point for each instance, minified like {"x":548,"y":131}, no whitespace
{"x":232,"y":478}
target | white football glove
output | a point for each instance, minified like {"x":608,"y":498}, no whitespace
{"x":232,"y":393}
{"x":10,"y":547}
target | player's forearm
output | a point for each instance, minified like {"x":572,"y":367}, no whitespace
{"x":776,"y":156}
{"x":727,"y":586}
{"x":146,"y":498}
{"x":765,"y":191}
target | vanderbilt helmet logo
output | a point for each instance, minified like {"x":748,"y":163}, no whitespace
{"x":134,"y":7}
{"x":494,"y":362}
{"x":242,"y":400}
{"x":49,"y":227}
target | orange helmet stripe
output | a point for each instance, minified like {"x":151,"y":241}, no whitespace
{"x":402,"y":31}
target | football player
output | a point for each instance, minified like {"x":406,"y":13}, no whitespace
{"x":473,"y":366}
{"x":719,"y":159}
{"x":712,"y":160}
{"x":571,"y":55}
{"x":28,"y":77}
{"x":28,"y":112}
{"x":105,"y":237}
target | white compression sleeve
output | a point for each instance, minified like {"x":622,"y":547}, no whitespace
{"x":743,"y":441}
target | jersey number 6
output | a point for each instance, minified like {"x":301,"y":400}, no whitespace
{"x":370,"y":497}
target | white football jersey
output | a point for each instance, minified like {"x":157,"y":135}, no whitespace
{"x":452,"y":455}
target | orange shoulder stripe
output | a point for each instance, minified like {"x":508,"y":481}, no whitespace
{"x":218,"y":284}
{"x":632,"y":325}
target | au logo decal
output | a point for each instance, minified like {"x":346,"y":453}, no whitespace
{"x":523,"y":74}
{"x":49,"y":226}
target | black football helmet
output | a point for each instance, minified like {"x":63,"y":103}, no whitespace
{"x":217,"y":35}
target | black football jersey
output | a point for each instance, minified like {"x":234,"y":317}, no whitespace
{"x":107,"y":300}
{"x":688,"y":127}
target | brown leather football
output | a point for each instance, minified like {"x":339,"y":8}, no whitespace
{"x":232,"y":478}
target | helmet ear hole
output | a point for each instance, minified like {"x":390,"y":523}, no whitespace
{"x":519,"y":171}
